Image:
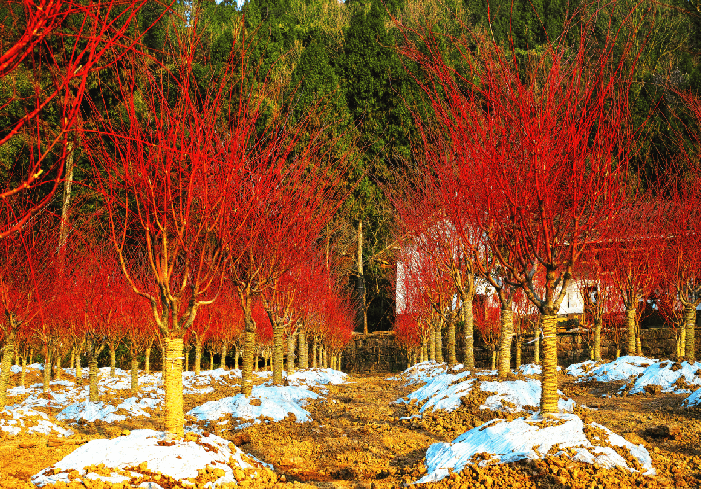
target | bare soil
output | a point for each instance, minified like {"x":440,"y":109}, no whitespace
{"x":357,"y":440}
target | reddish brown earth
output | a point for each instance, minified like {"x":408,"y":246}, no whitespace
{"x":357,"y":440}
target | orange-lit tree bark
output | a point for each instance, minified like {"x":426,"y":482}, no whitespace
{"x":534,"y":153}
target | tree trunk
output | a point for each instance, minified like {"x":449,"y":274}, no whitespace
{"x":682,"y":340}
{"x":147,"y":361}
{"x":450,"y":340}
{"x":65,"y":208}
{"x":468,"y":320}
{"x":211,"y":359}
{"x":597,"y":339}
{"x":222,"y":364}
{"x":237,"y":356}
{"x":507,"y":333}
{"x":278,"y":353}
{"x":291,"y":353}
{"x":249,"y":345}
{"x":5,"y":366}
{"x":47,"y":371}
{"x":198,"y":357}
{"x":23,"y":373}
{"x":424,"y":349}
{"x":494,"y":359}
{"x":439,"y":341}
{"x":72,"y":359}
{"x":536,"y":347}
{"x":315,"y":349}
{"x":134,"y":372}
{"x":174,"y":416}
{"x":92,"y":375}
{"x":638,"y":345}
{"x":256,"y":359}
{"x":690,"y":324}
{"x":618,"y":352}
{"x":303,"y":350}
{"x":549,"y":397}
{"x":58,"y":367}
{"x":361,"y":280}
{"x":187,"y":359}
{"x":519,"y":348}
{"x":432,"y":345}
{"x":78,"y":366}
{"x":324,"y":357}
{"x":630,"y":327}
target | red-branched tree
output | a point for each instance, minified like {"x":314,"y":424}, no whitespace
{"x":630,"y":255}
{"x":26,"y":270}
{"x":426,"y":230}
{"x":173,"y":176}
{"x":138,"y":329}
{"x":533,"y":154}
{"x":406,"y":331}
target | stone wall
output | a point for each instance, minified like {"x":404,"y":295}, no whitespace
{"x":374,"y":352}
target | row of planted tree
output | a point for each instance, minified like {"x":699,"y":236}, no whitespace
{"x":78,"y":300}
{"x":202,"y":189}
{"x":523,"y":192}
{"x":201,"y":219}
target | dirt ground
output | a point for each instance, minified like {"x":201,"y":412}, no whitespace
{"x":357,"y":440}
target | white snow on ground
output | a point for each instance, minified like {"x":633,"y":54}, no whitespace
{"x":422,"y":372}
{"x":71,"y":403}
{"x":694,"y":400}
{"x":517,"y":395}
{"x":532,"y":369}
{"x":622,"y":368}
{"x":14,"y":421}
{"x":641,"y":372}
{"x":316,"y":376}
{"x":530,"y":438}
{"x":144,"y":452}
{"x":667,"y":375}
{"x":275,"y":402}
{"x":444,"y":390}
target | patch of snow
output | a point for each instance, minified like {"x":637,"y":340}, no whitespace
{"x":317,"y":376}
{"x":180,"y":460}
{"x":443,"y":391}
{"x":663,"y":375}
{"x":275,"y":402}
{"x":532,"y":369}
{"x":581,"y":369}
{"x":14,"y":421}
{"x":622,"y":368}
{"x":90,"y":412}
{"x":531,"y":438}
{"x":517,"y":395}
{"x":694,"y":400}
{"x":421,"y":372}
